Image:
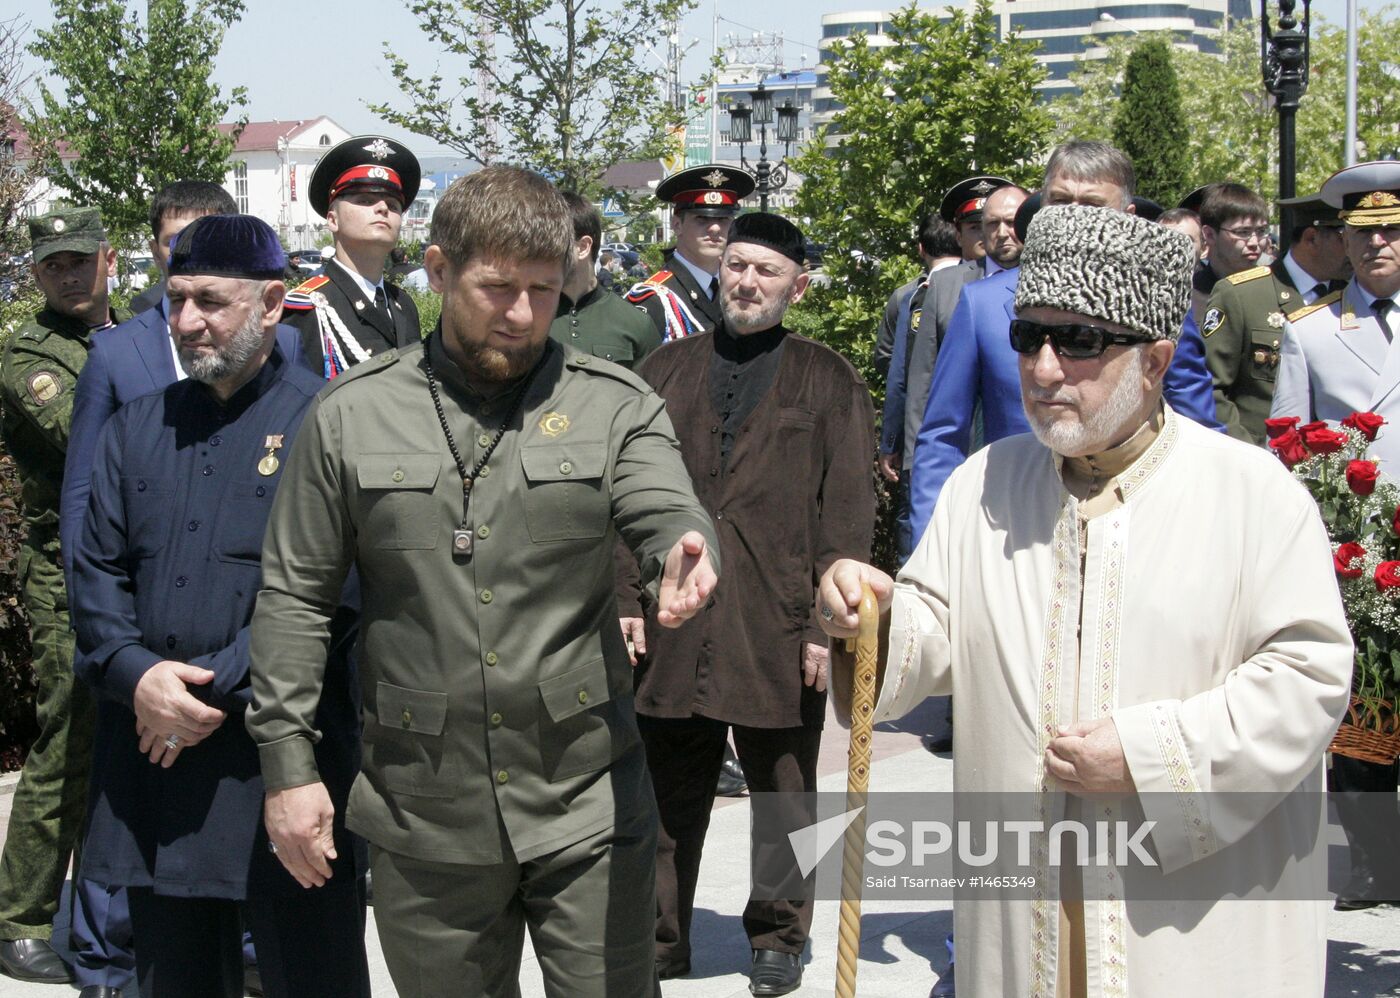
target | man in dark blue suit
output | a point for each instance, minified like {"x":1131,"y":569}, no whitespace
{"x":124,"y":363}
{"x":166,"y":567}
{"x":976,"y":362}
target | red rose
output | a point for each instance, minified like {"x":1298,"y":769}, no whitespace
{"x":1387,"y":575}
{"x":1289,"y":447}
{"x":1278,"y":427}
{"x":1365,"y":423}
{"x":1316,"y":424}
{"x":1346,"y":554}
{"x":1361,"y":477}
{"x":1321,"y":440}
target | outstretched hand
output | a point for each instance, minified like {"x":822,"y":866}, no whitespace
{"x":687,"y":579}
{"x":840,"y":592}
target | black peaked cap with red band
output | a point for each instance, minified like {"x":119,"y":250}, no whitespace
{"x":713,"y":189}
{"x":964,"y":200}
{"x":365,"y":163}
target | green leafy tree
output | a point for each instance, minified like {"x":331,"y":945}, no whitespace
{"x":561,"y":86}
{"x":949,"y":98}
{"x":137,"y":105}
{"x":1232,"y":126}
{"x":1149,"y":125}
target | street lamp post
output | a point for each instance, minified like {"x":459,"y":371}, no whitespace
{"x":768,"y":177}
{"x":1283,"y":57}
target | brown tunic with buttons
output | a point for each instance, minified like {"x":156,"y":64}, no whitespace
{"x":790,"y":488}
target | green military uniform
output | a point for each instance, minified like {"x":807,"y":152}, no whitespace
{"x":500,"y":739}
{"x":39,"y":370}
{"x":604,"y":325}
{"x":1242,"y":329}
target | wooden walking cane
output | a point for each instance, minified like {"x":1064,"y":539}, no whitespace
{"x":867,"y":650}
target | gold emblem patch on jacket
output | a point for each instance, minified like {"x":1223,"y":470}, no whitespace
{"x":553,"y":423}
{"x":44,"y":387}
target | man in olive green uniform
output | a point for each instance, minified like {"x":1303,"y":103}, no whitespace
{"x":478,"y":484}
{"x":591,"y":318}
{"x":1243,"y":321}
{"x":42,"y":360}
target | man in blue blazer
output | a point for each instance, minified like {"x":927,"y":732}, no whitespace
{"x":976,"y":362}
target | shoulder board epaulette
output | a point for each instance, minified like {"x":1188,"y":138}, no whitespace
{"x":314,"y":284}
{"x":1322,"y":302}
{"x":580,"y":361}
{"x":380,"y":362}
{"x":1248,"y":275}
{"x":660,"y":277}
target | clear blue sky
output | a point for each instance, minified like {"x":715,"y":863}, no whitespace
{"x":291,"y":71}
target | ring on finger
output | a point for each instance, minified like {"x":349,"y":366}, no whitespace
{"x":272,"y":847}
{"x":828,"y":614}
{"x":172,"y":741}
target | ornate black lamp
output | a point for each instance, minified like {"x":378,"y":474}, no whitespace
{"x":769,"y":177}
{"x":1283,"y":57}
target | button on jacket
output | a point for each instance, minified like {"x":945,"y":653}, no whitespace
{"x":497,"y":689}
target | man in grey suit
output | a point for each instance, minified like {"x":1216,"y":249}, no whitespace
{"x":998,"y":214}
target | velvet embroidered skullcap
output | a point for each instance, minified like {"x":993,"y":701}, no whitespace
{"x":228,"y":246}
{"x":773,"y":231}
{"x":1108,"y":265}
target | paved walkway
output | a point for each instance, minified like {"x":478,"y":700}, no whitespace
{"x":902,"y":945}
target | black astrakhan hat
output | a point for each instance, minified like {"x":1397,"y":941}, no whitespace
{"x":239,"y":246}
{"x":773,"y":231}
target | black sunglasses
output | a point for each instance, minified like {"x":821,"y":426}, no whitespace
{"x":1075,"y":340}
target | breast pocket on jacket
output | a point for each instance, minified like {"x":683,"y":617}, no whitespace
{"x":564,"y":497}
{"x":575,"y":736}
{"x":242,"y":522}
{"x":397,"y":492}
{"x":148,"y":515}
{"x":797,"y":420}
{"x":404,"y":743}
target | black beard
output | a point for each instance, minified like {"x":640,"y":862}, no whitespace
{"x":492,"y":364}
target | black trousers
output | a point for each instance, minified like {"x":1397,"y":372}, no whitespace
{"x":1364,"y":793}
{"x":685,"y":755}
{"x":309,"y":944}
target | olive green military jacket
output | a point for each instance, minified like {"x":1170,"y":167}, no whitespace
{"x":498,"y":713}
{"x":1242,"y":329}
{"x":38,"y":372}
{"x":604,"y":325}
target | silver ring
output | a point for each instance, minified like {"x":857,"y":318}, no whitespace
{"x":172,"y":741}
{"x":272,"y":847}
{"x":827,"y":613}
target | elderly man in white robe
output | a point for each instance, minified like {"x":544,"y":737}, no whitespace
{"x":1134,"y":613}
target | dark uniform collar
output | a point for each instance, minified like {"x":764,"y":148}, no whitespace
{"x":50,"y":319}
{"x":567,"y":305}
{"x":744,"y":348}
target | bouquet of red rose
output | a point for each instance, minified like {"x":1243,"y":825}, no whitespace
{"x":1359,"y":509}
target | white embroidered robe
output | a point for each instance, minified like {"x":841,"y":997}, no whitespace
{"x":1212,"y":632}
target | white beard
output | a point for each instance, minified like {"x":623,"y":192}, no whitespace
{"x":1095,"y":432}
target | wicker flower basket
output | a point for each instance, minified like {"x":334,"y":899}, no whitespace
{"x":1370,"y":732}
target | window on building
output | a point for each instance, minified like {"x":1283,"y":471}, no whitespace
{"x":325,"y":140}
{"x":240,"y":186}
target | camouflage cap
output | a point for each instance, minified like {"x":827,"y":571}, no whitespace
{"x":72,"y":230}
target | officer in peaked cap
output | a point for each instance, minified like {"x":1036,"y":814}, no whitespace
{"x":1243,"y":321}
{"x":1333,"y":362}
{"x":682,"y":298}
{"x":349,"y":312}
{"x":962,"y":208}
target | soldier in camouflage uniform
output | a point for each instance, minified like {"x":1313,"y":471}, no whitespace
{"x":42,"y":358}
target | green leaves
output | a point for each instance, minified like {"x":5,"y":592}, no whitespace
{"x":947,"y":99}
{"x":136,"y":106}
{"x":561,"y":86}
